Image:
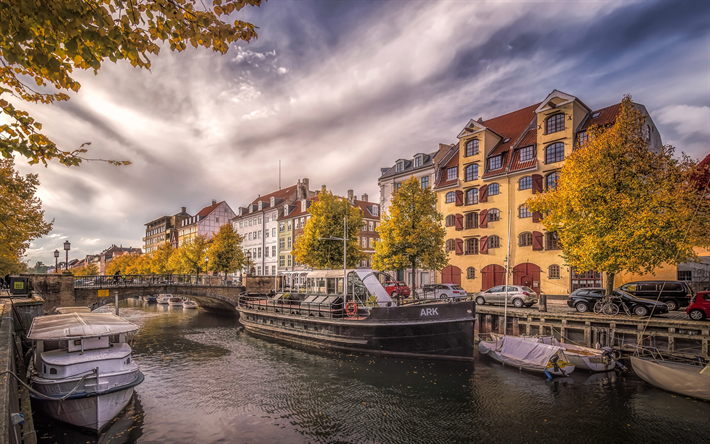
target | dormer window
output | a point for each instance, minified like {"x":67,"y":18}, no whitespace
{"x":526,"y":153}
{"x":555,"y":123}
{"x":452,"y":173}
{"x":375,"y":211}
{"x":400,"y":166}
{"x":495,"y":162}
{"x":417,"y":161}
{"x":471,"y":148}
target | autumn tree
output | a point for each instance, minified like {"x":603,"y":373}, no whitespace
{"x":122,"y":264}
{"x":225,"y":254}
{"x":86,"y":270}
{"x":189,"y":258}
{"x":41,"y":44}
{"x":411,"y":233}
{"x":619,"y":206}
{"x":160,"y":259}
{"x":327,"y":215}
{"x":21,"y":216}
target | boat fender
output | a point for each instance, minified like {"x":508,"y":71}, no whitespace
{"x":549,"y":376}
{"x":351,"y":308}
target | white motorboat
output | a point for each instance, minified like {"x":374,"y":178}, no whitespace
{"x":583,"y":358}
{"x":528,"y":355}
{"x":175,"y":302}
{"x":682,"y":378}
{"x":164,"y":298}
{"x":190,"y":304}
{"x":81,"y":376}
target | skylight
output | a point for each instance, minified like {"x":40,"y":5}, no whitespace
{"x":595,"y":115}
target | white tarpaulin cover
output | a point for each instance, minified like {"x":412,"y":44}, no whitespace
{"x":77,"y":326}
{"x":521,"y":352}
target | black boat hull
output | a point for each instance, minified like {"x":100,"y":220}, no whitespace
{"x":430,"y":331}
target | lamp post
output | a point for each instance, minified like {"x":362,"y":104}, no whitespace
{"x":56,"y":258}
{"x":206,"y":262}
{"x":67,"y":247}
{"x":345,"y":252}
{"x":248,"y":262}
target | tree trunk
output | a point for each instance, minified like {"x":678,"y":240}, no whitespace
{"x":414,"y":278}
{"x":609,"y":284}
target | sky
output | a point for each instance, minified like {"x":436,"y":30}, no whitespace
{"x":336,"y":90}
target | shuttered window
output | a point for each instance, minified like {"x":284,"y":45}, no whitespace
{"x":472,"y":196}
{"x":525,"y":183}
{"x":450,"y":197}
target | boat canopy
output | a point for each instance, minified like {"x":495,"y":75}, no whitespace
{"x":77,"y":326}
{"x":362,"y":284}
{"x":522,"y":352}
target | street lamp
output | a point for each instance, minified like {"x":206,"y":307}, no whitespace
{"x":248,"y":262}
{"x":345,"y":252}
{"x":206,"y":262}
{"x":56,"y":257}
{"x":67,"y":247}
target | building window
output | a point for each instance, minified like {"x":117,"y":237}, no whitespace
{"x":470,"y":273}
{"x":493,"y":242}
{"x":525,"y":183}
{"x":471,"y":172}
{"x":555,"y":153}
{"x":553,"y":272}
{"x":273,"y":270}
{"x":450,"y":197}
{"x":493,"y":215}
{"x":417,"y":162}
{"x":282,"y":261}
{"x":582,"y":138}
{"x":551,"y":180}
{"x":471,"y":220}
{"x":525,"y":239}
{"x":273,"y":251}
{"x":266,"y":252}
{"x":685,"y":275}
{"x":555,"y":123}
{"x":493,"y":189}
{"x":495,"y":162}
{"x":425,"y":181}
{"x":371,"y":242}
{"x":282,"y":243}
{"x":288,"y":243}
{"x":472,"y":196}
{"x":295,"y":224}
{"x":289,"y":260}
{"x":258,"y":253}
{"x":472,"y":246}
{"x":282,"y":226}
{"x":450,"y":245}
{"x":452,"y":173}
{"x":288,"y":225}
{"x":526,"y":153}
{"x":397,"y":186}
{"x":371,"y":226}
{"x":524,"y":211}
{"x":273,"y":232}
{"x":400,"y":167}
{"x":553,"y":241}
{"x":471,"y":148}
{"x":450,"y":220}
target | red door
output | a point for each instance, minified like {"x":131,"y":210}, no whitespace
{"x":492,"y":275}
{"x":451,"y":275}
{"x":527,"y":275}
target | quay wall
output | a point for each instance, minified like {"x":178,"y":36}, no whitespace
{"x":687,"y":338}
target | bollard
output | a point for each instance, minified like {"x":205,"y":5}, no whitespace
{"x":115,"y":297}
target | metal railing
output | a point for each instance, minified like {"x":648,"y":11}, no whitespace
{"x":143,"y":280}
{"x":295,"y":307}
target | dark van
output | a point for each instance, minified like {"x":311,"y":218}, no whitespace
{"x":674,"y":294}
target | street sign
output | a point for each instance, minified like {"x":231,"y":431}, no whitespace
{"x":103,"y":293}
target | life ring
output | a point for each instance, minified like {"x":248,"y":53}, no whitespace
{"x":351,"y":308}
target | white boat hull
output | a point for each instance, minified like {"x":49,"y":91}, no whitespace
{"x":683,"y":379}
{"x":490,"y":348}
{"x":91,"y":412}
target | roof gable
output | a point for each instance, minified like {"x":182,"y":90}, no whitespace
{"x":558,"y":98}
{"x":472,"y":127}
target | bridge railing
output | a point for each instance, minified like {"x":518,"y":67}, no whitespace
{"x":142,"y":280}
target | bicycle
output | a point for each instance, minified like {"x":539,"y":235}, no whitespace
{"x":610,"y":307}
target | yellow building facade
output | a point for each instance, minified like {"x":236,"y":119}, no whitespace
{"x":483,"y":183}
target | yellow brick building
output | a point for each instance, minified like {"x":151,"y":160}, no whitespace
{"x":485,"y":180}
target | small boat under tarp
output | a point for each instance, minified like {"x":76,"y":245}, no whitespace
{"x":528,"y":355}
{"x":685,"y":379}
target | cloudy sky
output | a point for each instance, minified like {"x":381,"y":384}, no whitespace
{"x":338,"y":89}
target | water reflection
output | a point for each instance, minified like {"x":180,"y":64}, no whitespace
{"x":206,"y":381}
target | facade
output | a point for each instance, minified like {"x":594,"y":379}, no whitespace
{"x":160,"y":231}
{"x":205,"y":223}
{"x":258,"y":224}
{"x":423,"y":166}
{"x":106,"y":256}
{"x":486,"y":179}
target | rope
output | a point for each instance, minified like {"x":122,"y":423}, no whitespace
{"x":42,"y":395}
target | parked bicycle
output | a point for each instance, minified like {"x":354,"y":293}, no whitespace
{"x":610,"y":307}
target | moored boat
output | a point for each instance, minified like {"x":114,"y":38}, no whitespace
{"x":175,"y":302}
{"x":164,"y":299}
{"x":528,"y":355}
{"x":190,"y":304}
{"x":687,"y":379}
{"x":151,"y":299}
{"x":81,"y":376}
{"x":364,"y":319}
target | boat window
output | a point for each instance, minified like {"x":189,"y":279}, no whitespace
{"x":52,"y":371}
{"x":331,"y":285}
{"x":77,"y":341}
{"x":356,"y":289}
{"x":44,"y":368}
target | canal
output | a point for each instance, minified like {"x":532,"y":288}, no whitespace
{"x":209,"y":382}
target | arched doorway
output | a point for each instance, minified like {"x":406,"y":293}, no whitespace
{"x":451,"y":275}
{"x":492,"y":275}
{"x":528,"y":275}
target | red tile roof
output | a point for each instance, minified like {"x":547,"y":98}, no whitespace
{"x":503,"y":165}
{"x":454,"y":161}
{"x":607,"y":116}
{"x":529,"y":139}
{"x":365,"y":212}
{"x":280,"y":194}
{"x":510,"y":127}
{"x":207,"y":210}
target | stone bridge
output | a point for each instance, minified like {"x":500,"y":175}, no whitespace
{"x":58,"y":290}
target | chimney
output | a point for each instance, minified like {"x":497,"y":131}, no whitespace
{"x":305,"y":183}
{"x":214,"y":202}
{"x":480,"y":120}
{"x":182,"y":209}
{"x":350,"y":196}
{"x":299,"y":192}
{"x":322,"y":188}
{"x":364,"y":198}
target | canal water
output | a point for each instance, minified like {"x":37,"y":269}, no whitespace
{"x":206,"y":381}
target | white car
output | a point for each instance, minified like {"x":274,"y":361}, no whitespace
{"x":518,"y":296}
{"x":440,"y":291}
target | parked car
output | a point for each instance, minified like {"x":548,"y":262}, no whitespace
{"x":699,"y":309}
{"x":397,"y":288}
{"x":583,"y":300}
{"x":440,"y":291}
{"x":518,"y":296}
{"x":675,"y":294}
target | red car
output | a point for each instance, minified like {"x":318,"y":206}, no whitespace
{"x":396,"y":289}
{"x":699,"y":309}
